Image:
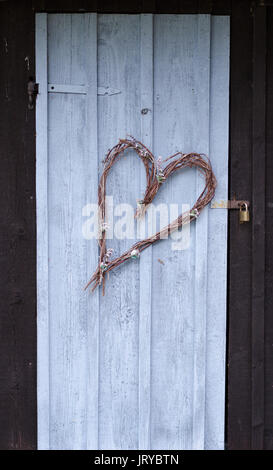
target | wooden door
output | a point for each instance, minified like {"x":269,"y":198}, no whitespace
{"x":142,"y":367}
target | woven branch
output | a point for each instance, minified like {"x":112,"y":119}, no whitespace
{"x":154,"y":178}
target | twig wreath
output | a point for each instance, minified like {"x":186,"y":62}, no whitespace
{"x":155,"y":177}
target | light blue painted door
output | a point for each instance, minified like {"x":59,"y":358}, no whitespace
{"x":144,"y":366}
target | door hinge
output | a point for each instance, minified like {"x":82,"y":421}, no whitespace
{"x":81,"y":89}
{"x":32,"y":91}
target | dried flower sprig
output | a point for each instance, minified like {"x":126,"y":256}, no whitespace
{"x":135,"y":254}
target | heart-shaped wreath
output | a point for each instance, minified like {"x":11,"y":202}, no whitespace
{"x":155,"y":176}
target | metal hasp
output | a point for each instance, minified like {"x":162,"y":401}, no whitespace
{"x":32,"y":91}
{"x":243,"y":207}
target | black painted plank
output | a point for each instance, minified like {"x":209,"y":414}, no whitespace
{"x":17,"y":232}
{"x":268,"y":433}
{"x":134,"y":6}
{"x":238,"y":415}
{"x":148,"y":6}
{"x":258,"y":226}
{"x":221,"y":7}
{"x":188,"y":6}
{"x":171,"y":6}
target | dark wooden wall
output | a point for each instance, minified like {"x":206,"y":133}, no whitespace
{"x":249,"y":411}
{"x":246,"y":359}
{"x":17,"y":232}
{"x":268,"y":437}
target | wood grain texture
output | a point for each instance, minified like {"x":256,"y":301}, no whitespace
{"x":145,"y":262}
{"x":65,"y":202}
{"x":258,"y":224}
{"x":268,"y":432}
{"x":217,"y":222}
{"x":18,"y":429}
{"x":173,"y":283}
{"x":217,"y":7}
{"x":43,"y":339}
{"x":240,"y":182}
{"x":91,"y":148}
{"x":202,"y":74}
{"x":119,"y":115}
{"x":72,"y":161}
{"x":129,"y":370}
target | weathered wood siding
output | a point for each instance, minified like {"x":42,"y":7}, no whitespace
{"x":143,"y":366}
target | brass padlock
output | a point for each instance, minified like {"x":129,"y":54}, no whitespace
{"x":244,"y":213}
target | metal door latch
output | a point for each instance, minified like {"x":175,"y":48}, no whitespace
{"x":242,"y":206}
{"x":32,"y":91}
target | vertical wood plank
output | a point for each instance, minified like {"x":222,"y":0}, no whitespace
{"x":72,"y":183}
{"x":145,"y":262}
{"x":42,"y":233}
{"x":119,"y":115}
{"x":63,"y":318}
{"x":268,"y":435}
{"x":217,"y":237}
{"x":240,"y":182}
{"x":93,"y":312}
{"x":258,"y":224}
{"x":176,"y":113}
{"x":202,"y":70}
